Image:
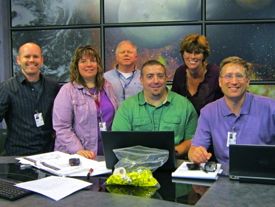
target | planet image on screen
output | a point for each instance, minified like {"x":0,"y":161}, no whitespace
{"x":254,"y":4}
{"x":153,"y":11}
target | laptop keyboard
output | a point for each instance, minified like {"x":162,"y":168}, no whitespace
{"x":10,"y":192}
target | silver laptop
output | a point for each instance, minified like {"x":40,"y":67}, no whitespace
{"x":252,"y":163}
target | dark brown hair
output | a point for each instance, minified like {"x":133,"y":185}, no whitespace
{"x":74,"y":72}
{"x":150,"y":63}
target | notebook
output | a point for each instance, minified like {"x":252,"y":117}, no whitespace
{"x":183,"y":172}
{"x":120,"y":139}
{"x":252,"y":163}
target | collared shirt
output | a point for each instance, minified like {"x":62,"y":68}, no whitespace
{"x":176,"y":114}
{"x":208,"y":90}
{"x":122,"y":90}
{"x":75,"y":117}
{"x":19,"y":101}
{"x":254,"y":125}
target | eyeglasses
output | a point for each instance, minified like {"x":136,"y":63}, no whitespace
{"x":230,"y":76}
{"x":207,"y":167}
{"x":210,"y":166}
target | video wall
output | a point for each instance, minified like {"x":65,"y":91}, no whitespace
{"x":233,"y":27}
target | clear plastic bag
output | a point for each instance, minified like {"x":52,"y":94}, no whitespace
{"x":135,"y":166}
{"x":140,"y":156}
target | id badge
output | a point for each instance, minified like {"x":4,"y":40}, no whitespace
{"x":39,"y":121}
{"x":102,"y":126}
{"x":231,"y":138}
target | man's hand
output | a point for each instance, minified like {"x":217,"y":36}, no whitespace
{"x":183,"y":147}
{"x":198,"y":154}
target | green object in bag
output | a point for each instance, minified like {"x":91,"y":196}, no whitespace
{"x":141,"y":177}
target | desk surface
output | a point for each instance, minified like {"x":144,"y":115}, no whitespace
{"x":222,"y":193}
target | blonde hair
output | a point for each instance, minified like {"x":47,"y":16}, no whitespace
{"x":237,"y":60}
{"x":195,"y":43}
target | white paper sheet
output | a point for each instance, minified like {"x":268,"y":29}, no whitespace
{"x":55,"y":187}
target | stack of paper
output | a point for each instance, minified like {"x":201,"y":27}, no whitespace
{"x":58,"y":163}
{"x":183,"y":172}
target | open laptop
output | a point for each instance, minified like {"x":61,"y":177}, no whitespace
{"x":120,"y":139}
{"x":252,"y":163}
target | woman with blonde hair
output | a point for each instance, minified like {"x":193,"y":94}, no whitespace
{"x":196,"y":79}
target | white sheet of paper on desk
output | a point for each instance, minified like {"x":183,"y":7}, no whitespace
{"x":99,"y":168}
{"x":55,"y":187}
{"x":183,"y":172}
{"x":60,"y":160}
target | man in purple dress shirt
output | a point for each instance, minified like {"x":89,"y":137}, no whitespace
{"x":238,"y":118}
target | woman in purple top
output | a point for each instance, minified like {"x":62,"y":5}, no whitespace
{"x":196,"y":79}
{"x":84,"y":106}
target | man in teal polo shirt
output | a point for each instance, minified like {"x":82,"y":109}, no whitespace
{"x":158,"y":109}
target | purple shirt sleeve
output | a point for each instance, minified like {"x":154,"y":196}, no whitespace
{"x":66,"y":139}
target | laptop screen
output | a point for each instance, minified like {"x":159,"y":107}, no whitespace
{"x":121,"y":139}
{"x":16,"y":173}
{"x":255,"y":162}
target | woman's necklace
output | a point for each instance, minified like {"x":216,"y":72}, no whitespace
{"x":94,"y":93}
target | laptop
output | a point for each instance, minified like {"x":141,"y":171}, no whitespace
{"x":121,"y":139}
{"x":12,"y":173}
{"x":252,"y":163}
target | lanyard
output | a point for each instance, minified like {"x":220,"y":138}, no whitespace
{"x":96,"y":97}
{"x":124,"y":82}
{"x":38,"y":89}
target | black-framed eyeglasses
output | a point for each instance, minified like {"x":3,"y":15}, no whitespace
{"x":210,"y":166}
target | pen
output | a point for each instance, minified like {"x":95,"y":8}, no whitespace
{"x":49,"y":166}
{"x":89,"y":173}
{"x":30,"y":159}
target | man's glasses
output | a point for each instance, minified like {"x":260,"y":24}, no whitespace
{"x":230,"y":76}
{"x":210,"y":166}
{"x":207,"y":167}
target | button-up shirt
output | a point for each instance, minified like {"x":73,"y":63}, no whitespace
{"x":19,"y":102}
{"x":175,"y":114}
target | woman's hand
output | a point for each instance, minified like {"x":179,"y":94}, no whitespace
{"x":87,"y":153}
